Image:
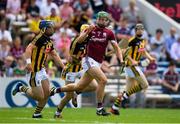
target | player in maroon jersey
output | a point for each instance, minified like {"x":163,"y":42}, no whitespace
{"x":97,"y":38}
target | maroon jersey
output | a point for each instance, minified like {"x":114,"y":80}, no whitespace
{"x":171,"y":77}
{"x":152,"y":66}
{"x":97,"y":43}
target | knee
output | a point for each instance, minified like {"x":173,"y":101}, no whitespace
{"x":103,"y":81}
{"x":40,"y":97}
{"x":69,"y":95}
{"x":46,"y":93}
{"x":94,"y":87}
{"x":79,"y":88}
{"x":145,"y":86}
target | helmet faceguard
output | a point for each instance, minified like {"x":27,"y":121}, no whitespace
{"x":139,"y":26}
{"x":47,"y":27}
{"x":45,"y":24}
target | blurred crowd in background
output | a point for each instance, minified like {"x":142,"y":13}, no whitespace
{"x":19,"y":20}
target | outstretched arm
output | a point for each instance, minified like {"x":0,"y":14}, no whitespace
{"x":27,"y":56}
{"x":117,"y":51}
{"x":84,"y":34}
{"x":57,"y":59}
{"x":146,"y":54}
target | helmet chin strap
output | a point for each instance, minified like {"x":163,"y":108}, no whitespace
{"x":43,"y":30}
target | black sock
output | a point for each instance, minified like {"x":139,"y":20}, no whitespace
{"x":38,"y":110}
{"x":59,"y":110}
{"x":77,"y":92}
{"x":99,"y":105}
{"x":58,"y":90}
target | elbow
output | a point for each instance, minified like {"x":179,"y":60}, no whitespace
{"x":28,"y":49}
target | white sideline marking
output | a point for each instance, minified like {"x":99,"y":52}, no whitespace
{"x":62,"y":121}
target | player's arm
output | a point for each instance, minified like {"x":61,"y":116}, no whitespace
{"x":146,"y":54}
{"x":84,"y":34}
{"x":110,"y":53}
{"x":134,"y":62}
{"x":27,"y":56}
{"x":56,"y":57}
{"x":117,"y":50}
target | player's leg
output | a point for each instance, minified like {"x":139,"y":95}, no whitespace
{"x":42,"y":103}
{"x":68,"y":96}
{"x":39,"y":91}
{"x":130,"y":82}
{"x":35,"y":91}
{"x":91,"y":87}
{"x":142,"y":83}
{"x":100,"y":77}
{"x":41,"y":79}
{"x":83,"y":83}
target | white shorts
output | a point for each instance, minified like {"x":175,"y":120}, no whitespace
{"x":88,"y":62}
{"x":133,"y":71}
{"x":71,"y":76}
{"x":35,"y":78}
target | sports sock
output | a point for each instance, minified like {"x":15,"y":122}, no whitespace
{"x":23,"y":88}
{"x":38,"y":110}
{"x":117,"y":102}
{"x":57,"y":90}
{"x":134,"y":89}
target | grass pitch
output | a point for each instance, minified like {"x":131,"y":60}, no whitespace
{"x":87,"y":115}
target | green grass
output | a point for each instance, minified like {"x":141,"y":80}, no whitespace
{"x":87,"y":115}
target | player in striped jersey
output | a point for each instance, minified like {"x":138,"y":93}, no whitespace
{"x":136,"y":81}
{"x":72,"y":71}
{"x":36,"y":54}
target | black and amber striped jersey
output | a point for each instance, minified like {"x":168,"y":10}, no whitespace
{"x":44,"y":45}
{"x":77,"y":50}
{"x":137,"y":48}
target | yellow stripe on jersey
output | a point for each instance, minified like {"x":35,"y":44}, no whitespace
{"x":74,"y":42}
{"x":79,"y":54}
{"x":32,"y":81}
{"x":136,"y":52}
{"x":33,"y":57}
{"x":40,"y":57}
{"x":39,"y":54}
{"x":36,"y":38}
{"x":139,"y":55}
{"x":77,"y":68}
{"x":131,"y":39}
{"x":136,"y":45}
{"x":71,"y":68}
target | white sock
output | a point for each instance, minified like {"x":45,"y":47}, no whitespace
{"x":20,"y":88}
{"x":37,"y":114}
{"x":55,"y":90}
{"x":99,"y":108}
{"x":57,"y":113}
{"x":114,"y":107}
{"x":125,"y":95}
